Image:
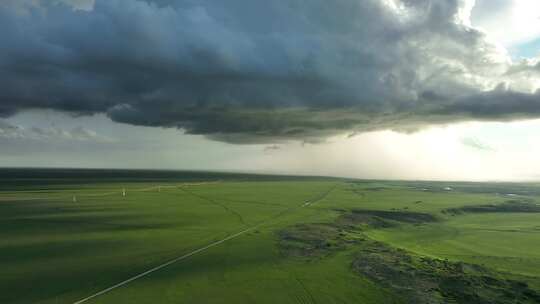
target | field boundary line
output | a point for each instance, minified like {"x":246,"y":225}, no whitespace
{"x":230,"y":237}
{"x":63,"y":196}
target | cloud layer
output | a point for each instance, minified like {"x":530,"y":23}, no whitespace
{"x":260,"y":71}
{"x":9,"y":131}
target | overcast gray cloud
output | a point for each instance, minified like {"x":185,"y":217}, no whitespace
{"x":475,"y":143}
{"x":258,"y":71}
{"x":9,"y":131}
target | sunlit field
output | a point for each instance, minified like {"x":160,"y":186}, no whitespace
{"x":295,"y":240}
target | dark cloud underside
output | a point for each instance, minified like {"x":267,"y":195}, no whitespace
{"x":250,"y":71}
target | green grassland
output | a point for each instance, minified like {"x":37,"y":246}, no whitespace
{"x":305,"y":240}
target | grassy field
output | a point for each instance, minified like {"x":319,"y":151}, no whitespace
{"x":302,"y":240}
{"x":506,"y":242}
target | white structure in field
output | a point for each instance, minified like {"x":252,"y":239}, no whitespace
{"x":124,"y":192}
{"x":74,"y":199}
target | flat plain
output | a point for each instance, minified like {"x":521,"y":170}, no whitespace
{"x":233,"y":238}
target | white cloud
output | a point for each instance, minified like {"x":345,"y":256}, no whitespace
{"x":508,"y":22}
{"x":475,"y":143}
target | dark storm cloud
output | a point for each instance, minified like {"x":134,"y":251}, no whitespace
{"x":245,"y":71}
{"x":497,"y":105}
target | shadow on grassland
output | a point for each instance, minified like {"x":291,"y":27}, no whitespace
{"x":415,"y":278}
{"x":511,"y":206}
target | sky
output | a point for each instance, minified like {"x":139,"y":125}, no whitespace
{"x":389,"y":89}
